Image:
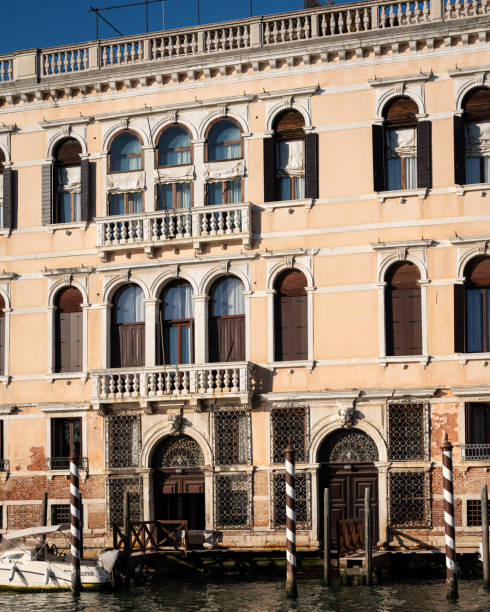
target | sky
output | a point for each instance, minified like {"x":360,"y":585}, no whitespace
{"x":28,"y":24}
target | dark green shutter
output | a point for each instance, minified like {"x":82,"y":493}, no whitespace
{"x":7,"y":197}
{"x":47,"y":194}
{"x":269,"y":170}
{"x":85,"y":190}
{"x":459,"y":151}
{"x":424,"y":154}
{"x":379,"y":172}
{"x":459,"y":318}
{"x":311,"y":165}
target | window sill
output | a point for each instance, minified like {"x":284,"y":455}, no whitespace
{"x":465,"y":357}
{"x":271,"y":206}
{"x":5,"y":231}
{"x":402,"y":194}
{"x":470,"y":187}
{"x":422,"y":359}
{"x":306,"y":363}
{"x":68,"y":376}
{"x":52,"y":228}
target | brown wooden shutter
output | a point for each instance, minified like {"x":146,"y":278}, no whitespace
{"x":227,"y":338}
{"x":70,"y":300}
{"x":477,"y":272}
{"x":459,"y":151}
{"x":379,"y":173}
{"x":459,"y":318}
{"x":424,"y":155}
{"x":85,"y":190}
{"x":401,"y":112}
{"x":477,"y":105}
{"x":68,"y":152}
{"x":69,"y":331}
{"x":467,"y":423}
{"x":7,"y":197}
{"x":311,"y":165}
{"x":47,"y":194}
{"x":131,"y":344}
{"x":289,"y":124}
{"x":403,"y":311}
{"x":2,"y":345}
{"x":291,"y":317}
{"x":269,"y":170}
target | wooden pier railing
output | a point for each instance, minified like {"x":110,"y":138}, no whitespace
{"x":152,"y":536}
{"x":350,"y":538}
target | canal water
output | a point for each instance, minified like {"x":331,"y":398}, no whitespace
{"x":256,"y":595}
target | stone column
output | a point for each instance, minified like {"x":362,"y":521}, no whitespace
{"x":149,"y":204}
{"x":51,"y":340}
{"x":151,"y":319}
{"x":270,"y":325}
{"x":382,"y":468}
{"x":199,"y":183}
{"x":106,"y":308}
{"x":200,"y":328}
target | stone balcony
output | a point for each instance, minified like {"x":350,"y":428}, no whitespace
{"x":174,"y":228}
{"x":182,"y":384}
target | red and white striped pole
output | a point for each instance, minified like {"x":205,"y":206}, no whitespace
{"x":291,"y":590}
{"x":75,"y":524}
{"x":447,"y":480}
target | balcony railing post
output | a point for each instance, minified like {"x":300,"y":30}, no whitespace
{"x":256,"y":34}
{"x":93,"y":56}
{"x":437,"y":10}
{"x":200,"y":41}
{"x":375,"y":17}
{"x":146,"y":49}
{"x":314,"y":25}
{"x":27,"y":65}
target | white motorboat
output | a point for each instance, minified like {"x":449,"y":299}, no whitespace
{"x":27,"y":562}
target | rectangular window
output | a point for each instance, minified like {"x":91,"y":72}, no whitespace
{"x":408,"y":431}
{"x":123,"y":440}
{"x":278,"y":496}
{"x":226,"y":192}
{"x":66,"y":440}
{"x":69,"y":207}
{"x":289,"y":424}
{"x":116,"y":487}
{"x":60,"y":513}
{"x":409,"y":495}
{"x":232,"y":437}
{"x":174,"y":195}
{"x":233,"y":501}
{"x":473,"y":513}
{"x":477,"y":319}
{"x":477,"y":432}
{"x":128,"y":203}
{"x":477,"y":170}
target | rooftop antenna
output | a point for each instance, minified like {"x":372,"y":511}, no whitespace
{"x":146,"y":3}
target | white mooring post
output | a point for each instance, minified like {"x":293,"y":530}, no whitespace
{"x":447,"y":479}
{"x":291,"y":590}
{"x":75,"y":524}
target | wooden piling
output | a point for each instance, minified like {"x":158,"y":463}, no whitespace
{"x":327,"y":570}
{"x":484,"y":524}
{"x":450,"y":532}
{"x":81,"y":527}
{"x":368,"y":536}
{"x":291,"y":589}
{"x":127,"y":526}
{"x":75,"y":523}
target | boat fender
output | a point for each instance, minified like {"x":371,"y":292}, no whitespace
{"x":47,"y":575}
{"x":12,"y":572}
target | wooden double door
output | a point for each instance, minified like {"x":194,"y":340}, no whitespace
{"x":180,"y":497}
{"x":347,"y":483}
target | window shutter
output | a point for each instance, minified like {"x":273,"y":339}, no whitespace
{"x":7,"y":197}
{"x":379,"y":174}
{"x":85,"y":190}
{"x":47,"y":194}
{"x":459,"y":318}
{"x":2,"y":346}
{"x":467,"y":423}
{"x":459,"y":151}
{"x":311,"y":165}
{"x":424,"y":154}
{"x":269,"y":170}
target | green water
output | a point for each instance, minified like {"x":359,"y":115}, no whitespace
{"x":267,"y":595}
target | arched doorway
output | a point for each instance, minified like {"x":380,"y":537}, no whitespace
{"x":178,"y":482}
{"x":346,"y":459}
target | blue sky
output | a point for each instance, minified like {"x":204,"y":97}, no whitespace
{"x":44,"y":23}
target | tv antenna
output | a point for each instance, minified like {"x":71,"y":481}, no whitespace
{"x":146,"y":3}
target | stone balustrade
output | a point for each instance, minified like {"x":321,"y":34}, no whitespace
{"x":169,"y":227}
{"x":318,"y":23}
{"x":170,"y":382}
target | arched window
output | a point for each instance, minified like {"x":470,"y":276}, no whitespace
{"x":177,"y":322}
{"x":67,"y":181}
{"x":224,"y":141}
{"x":128,"y":327}
{"x":403,"y":310}
{"x":473,"y":138}
{"x":289,"y":156}
{"x":402,"y":148}
{"x":472,"y":315}
{"x":69,"y":331}
{"x":227,"y":321}
{"x":290,"y":317}
{"x":125,"y":155}
{"x":2,"y":335}
{"x":174,"y":147}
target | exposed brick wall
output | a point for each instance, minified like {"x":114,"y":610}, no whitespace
{"x":22,"y":488}
{"x":21,"y":517}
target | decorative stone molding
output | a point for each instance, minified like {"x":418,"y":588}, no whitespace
{"x":469,"y":247}
{"x":394,"y":87}
{"x":53,"y":407}
{"x":346,"y":414}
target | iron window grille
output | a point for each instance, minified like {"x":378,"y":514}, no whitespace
{"x":348,"y":446}
{"x":232,"y":437}
{"x":116,"y":487}
{"x":63,"y":463}
{"x":409,"y":499}
{"x":303,"y":496}
{"x":177,"y":452}
{"x":290,"y":422}
{"x":60,"y":513}
{"x":122,"y":440}
{"x":408,"y":430}
{"x":473,"y":513}
{"x":233,"y":501}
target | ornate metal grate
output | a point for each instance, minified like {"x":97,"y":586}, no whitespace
{"x":63,"y":463}
{"x":473,"y":513}
{"x":233,"y":501}
{"x":178,"y":451}
{"x":289,"y":422}
{"x":408,"y":430}
{"x":348,"y":446}
{"x":123,"y":440}
{"x":475,"y":452}
{"x":60,"y":513}
{"x":409,"y":499}
{"x":116,"y":486}
{"x":278,"y":498}
{"x":232,"y":437}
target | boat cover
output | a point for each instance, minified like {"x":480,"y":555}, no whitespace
{"x":108,"y":559}
{"x":36,"y":532}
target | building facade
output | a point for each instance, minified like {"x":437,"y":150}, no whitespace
{"x":240,"y":234}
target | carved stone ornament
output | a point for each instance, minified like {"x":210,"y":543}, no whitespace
{"x":287,"y":101}
{"x":223,"y":110}
{"x":290,"y":262}
{"x":346,"y":416}
{"x":176,"y":423}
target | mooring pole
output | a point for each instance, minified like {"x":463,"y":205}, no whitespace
{"x":291,"y":590}
{"x":327,"y":571}
{"x":447,"y":480}
{"x":484,"y":539}
{"x":368,"y":536}
{"x":75,"y":524}
{"x":127,"y":527}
